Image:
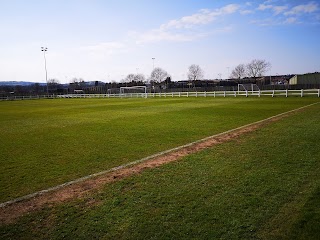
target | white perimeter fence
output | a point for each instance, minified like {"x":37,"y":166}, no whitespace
{"x":271,"y":93}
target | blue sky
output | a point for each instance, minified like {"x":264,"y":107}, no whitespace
{"x":107,"y":39}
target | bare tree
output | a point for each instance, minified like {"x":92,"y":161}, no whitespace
{"x":195,"y":73}
{"x":130,"y":78}
{"x":158,"y":75}
{"x":256,"y":68}
{"x":139,"y":78}
{"x":238,"y":72}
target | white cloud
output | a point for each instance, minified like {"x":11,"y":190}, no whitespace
{"x":264,"y":22}
{"x":290,"y":20}
{"x":231,"y":8}
{"x":270,"y":1}
{"x":276,"y":9}
{"x":246,"y":12}
{"x":204,"y":16}
{"x":158,"y":35}
{"x":300,"y":9}
{"x":263,"y":7}
{"x":186,"y":28}
{"x":285,"y":14}
{"x":279,"y":9}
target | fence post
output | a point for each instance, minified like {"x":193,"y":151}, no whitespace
{"x":246,"y":93}
{"x":196,"y":94}
{"x":318,"y":92}
{"x":259,"y":93}
{"x":235,"y":93}
{"x":286,"y":92}
{"x":179,"y":94}
{"x":224,"y":93}
{"x":272,"y":93}
{"x":214,"y":93}
{"x":301,"y":92}
{"x":187,"y":94}
{"x":205,"y":94}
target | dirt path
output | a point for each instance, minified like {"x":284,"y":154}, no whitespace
{"x":12,"y":211}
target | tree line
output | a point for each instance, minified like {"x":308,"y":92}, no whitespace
{"x":159,"y":76}
{"x":255,"y":68}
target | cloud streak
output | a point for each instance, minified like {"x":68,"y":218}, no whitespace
{"x":186,"y":28}
{"x":276,"y":9}
{"x":204,"y":16}
{"x":287,"y":14}
{"x":303,"y":9}
{"x":199,"y":25}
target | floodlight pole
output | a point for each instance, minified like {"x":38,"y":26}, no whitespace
{"x":44,"y":49}
{"x":228,"y":72}
{"x":153,"y":62}
{"x":153,"y":70}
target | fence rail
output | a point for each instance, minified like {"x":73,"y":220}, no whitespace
{"x":272,"y":93}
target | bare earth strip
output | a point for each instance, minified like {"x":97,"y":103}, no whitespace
{"x":11,"y":210}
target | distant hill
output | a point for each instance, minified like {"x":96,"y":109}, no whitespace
{"x":16,"y":83}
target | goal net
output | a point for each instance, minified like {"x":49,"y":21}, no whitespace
{"x":248,"y":87}
{"x":135,"y":91}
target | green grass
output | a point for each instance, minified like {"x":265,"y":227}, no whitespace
{"x":48,"y":142}
{"x":263,"y":185}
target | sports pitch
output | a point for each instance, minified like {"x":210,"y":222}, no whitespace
{"x":48,"y":142}
{"x":263,"y":185}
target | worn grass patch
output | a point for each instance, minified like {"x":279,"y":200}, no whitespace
{"x":236,"y":190}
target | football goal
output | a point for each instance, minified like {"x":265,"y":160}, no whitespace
{"x":135,"y":91}
{"x":248,"y":87}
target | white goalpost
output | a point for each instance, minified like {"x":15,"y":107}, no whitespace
{"x":245,"y":89}
{"x":135,"y":91}
{"x":248,"y":87}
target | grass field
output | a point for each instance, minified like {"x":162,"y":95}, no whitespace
{"x":48,"y":142}
{"x":263,"y":185}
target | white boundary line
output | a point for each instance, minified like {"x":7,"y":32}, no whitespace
{"x":32,"y":195}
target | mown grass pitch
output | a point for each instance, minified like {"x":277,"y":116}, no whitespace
{"x":48,"y":142}
{"x":263,"y":185}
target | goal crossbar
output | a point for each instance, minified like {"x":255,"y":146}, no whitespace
{"x":248,"y":87}
{"x":143,"y":88}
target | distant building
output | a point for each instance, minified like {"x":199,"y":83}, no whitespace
{"x":305,"y":79}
